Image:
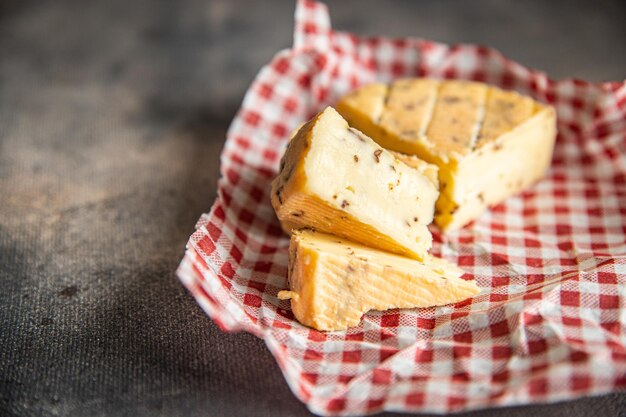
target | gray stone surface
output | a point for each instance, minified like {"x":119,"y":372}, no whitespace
{"x":112,"y":116}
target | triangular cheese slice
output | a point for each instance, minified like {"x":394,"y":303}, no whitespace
{"x":337,"y":180}
{"x":488,"y":143}
{"x":333,"y":282}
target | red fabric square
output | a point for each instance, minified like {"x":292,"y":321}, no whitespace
{"x":390,"y":320}
{"x":252,"y":300}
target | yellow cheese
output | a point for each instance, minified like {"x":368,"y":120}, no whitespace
{"x":337,"y":180}
{"x":333,"y":282}
{"x":367,"y":103}
{"x":488,"y":143}
{"x":409,"y":107}
{"x":429,"y":170}
{"x":456,"y":118}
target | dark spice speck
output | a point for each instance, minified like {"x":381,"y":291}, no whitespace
{"x":279,"y":191}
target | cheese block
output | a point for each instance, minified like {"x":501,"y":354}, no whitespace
{"x":337,"y":180}
{"x":333,"y":282}
{"x":488,"y":143}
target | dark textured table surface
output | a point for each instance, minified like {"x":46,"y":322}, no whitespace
{"x":112,"y":117}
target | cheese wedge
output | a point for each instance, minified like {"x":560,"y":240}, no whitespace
{"x":333,"y":282}
{"x":337,"y":180}
{"x":488,"y":143}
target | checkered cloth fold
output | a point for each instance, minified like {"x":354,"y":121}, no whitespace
{"x":550,"y":323}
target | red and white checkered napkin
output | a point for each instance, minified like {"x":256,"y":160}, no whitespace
{"x":550,"y":323}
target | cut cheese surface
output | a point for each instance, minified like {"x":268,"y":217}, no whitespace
{"x":337,"y":180}
{"x":429,"y":170}
{"x":488,"y":143}
{"x":333,"y":282}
